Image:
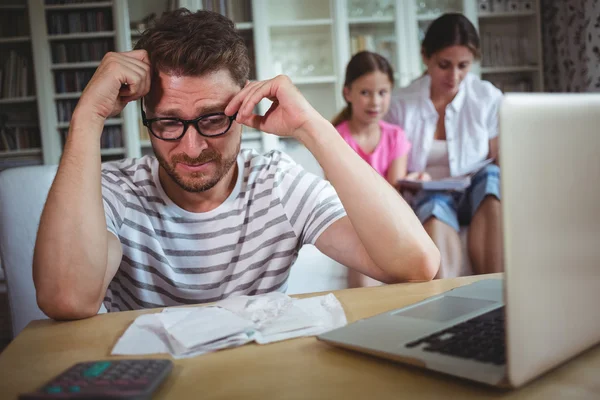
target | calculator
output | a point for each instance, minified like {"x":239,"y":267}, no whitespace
{"x":107,"y":379}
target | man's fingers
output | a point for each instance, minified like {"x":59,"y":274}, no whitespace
{"x":141,"y":55}
{"x":247,"y":107}
{"x":143,"y":73}
{"x":134,"y":82}
{"x":235,"y":103}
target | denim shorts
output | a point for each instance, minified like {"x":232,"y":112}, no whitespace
{"x":457,"y":208}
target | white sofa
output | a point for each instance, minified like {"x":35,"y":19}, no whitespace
{"x":23,"y":192}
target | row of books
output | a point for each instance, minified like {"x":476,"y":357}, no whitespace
{"x":79,"y":21}
{"x":235,"y":10}
{"x":81,"y":51}
{"x":16,"y":78}
{"x":65,"y":109}
{"x":14,"y":23}
{"x":72,"y":81}
{"x":19,"y":138}
{"x":112,"y":137}
{"x":506,"y":50}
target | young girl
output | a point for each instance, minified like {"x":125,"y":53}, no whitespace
{"x":367,"y":89}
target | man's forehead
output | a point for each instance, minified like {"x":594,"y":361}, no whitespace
{"x":211,"y":90}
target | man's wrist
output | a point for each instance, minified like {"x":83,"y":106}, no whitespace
{"x":89,"y":120}
{"x":315,"y":132}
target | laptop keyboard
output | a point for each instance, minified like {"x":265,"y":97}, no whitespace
{"x":481,"y":338}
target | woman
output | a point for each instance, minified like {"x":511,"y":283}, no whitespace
{"x":450,"y":117}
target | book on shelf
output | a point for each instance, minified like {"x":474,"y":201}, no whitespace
{"x":81,"y":51}
{"x":14,"y":22}
{"x":453,"y":183}
{"x":112,"y":137}
{"x":61,"y":22}
{"x":15,"y":76}
{"x":72,"y":81}
{"x":19,"y":138}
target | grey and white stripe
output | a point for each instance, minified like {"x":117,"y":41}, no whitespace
{"x":247,"y":245}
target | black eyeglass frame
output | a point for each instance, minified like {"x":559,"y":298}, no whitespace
{"x":186,"y":123}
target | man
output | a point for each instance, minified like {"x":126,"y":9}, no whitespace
{"x":204,"y":220}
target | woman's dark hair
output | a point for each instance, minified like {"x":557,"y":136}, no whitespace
{"x":360,"y":64}
{"x":450,"y":29}
{"x":194,"y":44}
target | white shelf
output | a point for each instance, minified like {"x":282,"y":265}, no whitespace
{"x":113,"y":151}
{"x":244,"y":25}
{"x":370,"y":20}
{"x":510,"y":69}
{"x":75,"y":6}
{"x":16,"y":100}
{"x":76,"y":65}
{"x":20,"y":153}
{"x":15,"y":39}
{"x":311,"y":80}
{"x":428,"y":16}
{"x":82,"y":35}
{"x":108,"y":122}
{"x":67,"y":96}
{"x":506,"y":14}
{"x":302,"y":22}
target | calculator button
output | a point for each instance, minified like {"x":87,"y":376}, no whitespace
{"x":97,"y":369}
{"x":75,"y":389}
{"x":122,"y":382}
{"x":101,"y":382}
{"x":53,"y":389}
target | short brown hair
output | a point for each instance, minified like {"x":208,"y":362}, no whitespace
{"x":193,"y":44}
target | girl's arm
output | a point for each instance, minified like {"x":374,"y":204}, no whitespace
{"x":397,"y":170}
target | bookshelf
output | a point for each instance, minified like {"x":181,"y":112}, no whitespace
{"x":20,"y":139}
{"x":511,"y":44}
{"x":79,"y":34}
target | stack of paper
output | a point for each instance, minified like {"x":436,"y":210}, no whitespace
{"x":186,"y":332}
{"x":453,"y":183}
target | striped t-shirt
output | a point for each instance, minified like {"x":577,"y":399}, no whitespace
{"x":245,"y":246}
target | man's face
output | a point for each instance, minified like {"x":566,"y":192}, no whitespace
{"x":195,"y":163}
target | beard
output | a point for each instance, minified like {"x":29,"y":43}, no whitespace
{"x":198,"y":182}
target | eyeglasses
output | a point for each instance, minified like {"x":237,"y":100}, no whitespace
{"x":171,"y":129}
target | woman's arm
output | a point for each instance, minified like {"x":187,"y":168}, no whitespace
{"x":494,"y":150}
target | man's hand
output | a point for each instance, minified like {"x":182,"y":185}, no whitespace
{"x":289,"y":114}
{"x":119,"y":79}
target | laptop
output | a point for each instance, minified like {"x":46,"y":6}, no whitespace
{"x":545,"y":311}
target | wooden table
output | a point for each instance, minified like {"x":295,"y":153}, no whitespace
{"x":295,"y":369}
